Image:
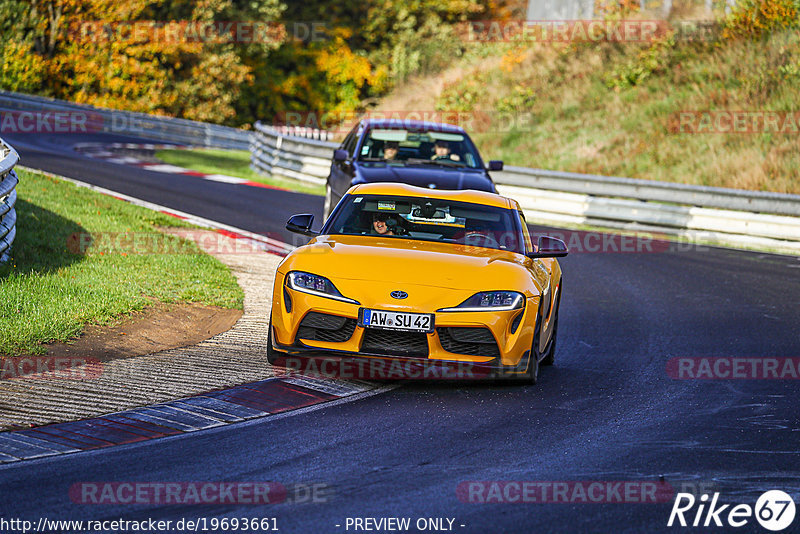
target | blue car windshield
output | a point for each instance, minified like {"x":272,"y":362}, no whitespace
{"x":428,"y":219}
{"x":419,"y":147}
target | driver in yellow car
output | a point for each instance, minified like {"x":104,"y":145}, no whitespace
{"x":380,"y":224}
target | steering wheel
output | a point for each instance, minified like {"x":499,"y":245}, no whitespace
{"x":480,"y":239}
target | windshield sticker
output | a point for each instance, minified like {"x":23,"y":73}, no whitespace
{"x":386,"y":205}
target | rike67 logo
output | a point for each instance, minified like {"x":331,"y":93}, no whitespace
{"x":774,"y":510}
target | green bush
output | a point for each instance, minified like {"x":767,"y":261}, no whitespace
{"x":462,"y":95}
{"x":652,"y":60}
{"x":521,"y":98}
{"x":755,"y":18}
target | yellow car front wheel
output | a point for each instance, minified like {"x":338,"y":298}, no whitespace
{"x":532,"y":374}
{"x":272,"y":354}
{"x":550,"y":356}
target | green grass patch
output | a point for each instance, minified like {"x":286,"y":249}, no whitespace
{"x":231,"y":163}
{"x":49,"y":291}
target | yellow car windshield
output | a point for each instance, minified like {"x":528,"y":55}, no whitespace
{"x":428,"y":219}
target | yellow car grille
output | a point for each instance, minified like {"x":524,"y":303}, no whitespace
{"x":468,"y":340}
{"x":395,"y":343}
{"x":324,"y":327}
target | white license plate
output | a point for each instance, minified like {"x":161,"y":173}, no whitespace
{"x":409,"y":322}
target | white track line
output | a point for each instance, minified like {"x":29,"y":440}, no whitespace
{"x":100,"y":151}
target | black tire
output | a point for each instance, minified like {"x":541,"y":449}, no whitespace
{"x":531,"y":375}
{"x":550,"y":355}
{"x":272,"y":354}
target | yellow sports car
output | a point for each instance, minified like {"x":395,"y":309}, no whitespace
{"x":413,"y":274}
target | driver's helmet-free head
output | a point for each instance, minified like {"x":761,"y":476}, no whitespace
{"x":391,"y":145}
{"x":390,"y":221}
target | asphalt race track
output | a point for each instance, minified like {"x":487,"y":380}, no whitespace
{"x":607,"y":412}
{"x":260,"y":210}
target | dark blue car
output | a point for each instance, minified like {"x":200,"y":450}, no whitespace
{"x":425,"y":154}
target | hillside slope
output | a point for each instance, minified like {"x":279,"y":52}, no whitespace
{"x":662,"y":110}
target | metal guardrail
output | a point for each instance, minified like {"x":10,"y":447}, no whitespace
{"x":8,"y":198}
{"x":698,"y":212}
{"x":651,"y":191}
{"x":303,"y":131}
{"x":106,"y":120}
{"x":273,"y":152}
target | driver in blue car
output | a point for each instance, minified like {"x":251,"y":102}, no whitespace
{"x":441,"y":150}
{"x":390,"y":150}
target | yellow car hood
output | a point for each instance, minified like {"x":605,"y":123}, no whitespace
{"x":403,"y":261}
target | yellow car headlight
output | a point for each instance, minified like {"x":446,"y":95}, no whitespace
{"x":315,"y":285}
{"x":490,"y":301}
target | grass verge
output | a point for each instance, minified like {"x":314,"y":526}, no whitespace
{"x":49,"y":293}
{"x":232,"y":163}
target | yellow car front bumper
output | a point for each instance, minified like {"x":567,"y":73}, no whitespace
{"x":493,"y":339}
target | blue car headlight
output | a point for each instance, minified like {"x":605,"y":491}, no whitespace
{"x":490,"y":301}
{"x":315,"y":285}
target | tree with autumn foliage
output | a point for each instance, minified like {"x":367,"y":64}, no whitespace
{"x":116,"y":55}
